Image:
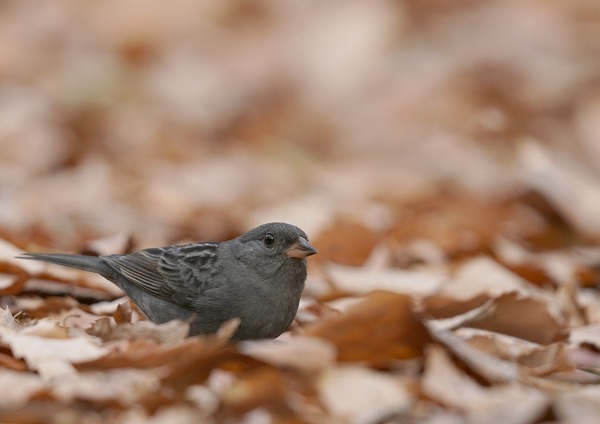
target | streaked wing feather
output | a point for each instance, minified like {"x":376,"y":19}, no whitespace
{"x":140,"y":268}
{"x":172,"y":273}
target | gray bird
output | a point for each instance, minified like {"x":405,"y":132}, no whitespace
{"x":257,"y":277}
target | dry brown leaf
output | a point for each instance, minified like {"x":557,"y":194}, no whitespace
{"x":441,"y":306}
{"x":185,"y":361}
{"x":195,"y":364}
{"x":52,"y":285}
{"x":489,"y":367}
{"x":523,"y":317}
{"x":12,"y":279}
{"x":467,"y":318}
{"x":7,"y":258}
{"x":8,"y":362}
{"x":36,"y":307}
{"x":346,"y":243}
{"x":534,"y":358}
{"x":50,"y":277}
{"x":142,"y":353}
{"x":364,"y":333}
{"x":53,"y":273}
{"x":462,"y":225}
{"x":124,"y":313}
{"x":263,"y":386}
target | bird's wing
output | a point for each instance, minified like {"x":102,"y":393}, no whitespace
{"x":175,"y":273}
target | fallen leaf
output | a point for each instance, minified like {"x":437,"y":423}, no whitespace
{"x":123,"y":314}
{"x":442,"y":306}
{"x":12,"y":279}
{"x":355,"y":394}
{"x":363,"y":280}
{"x":8,"y":362}
{"x":42,"y":353}
{"x":460,"y":225}
{"x":564,"y":183}
{"x":298,"y":353}
{"x":484,"y":276}
{"x":589,"y":334}
{"x":489,"y":367}
{"x":522,"y":317}
{"x":578,"y":406}
{"x":19,"y":387}
{"x":364,"y":333}
{"x":513,"y":403}
{"x":347,"y":243}
{"x":258,"y":387}
{"x":168,"y":333}
{"x":7,"y":321}
{"x":125,"y":386}
{"x":535,"y":359}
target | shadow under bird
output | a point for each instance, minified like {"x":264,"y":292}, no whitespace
{"x":257,"y":277}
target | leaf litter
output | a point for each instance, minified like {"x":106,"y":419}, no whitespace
{"x":446,"y":169}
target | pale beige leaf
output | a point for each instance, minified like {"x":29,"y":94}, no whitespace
{"x":123,"y":385}
{"x":7,"y":321}
{"x":579,"y":406}
{"x":107,"y":307}
{"x":300,"y":353}
{"x":38,"y":351}
{"x":587,"y":334}
{"x":359,"y":395}
{"x":486,"y":405}
{"x":364,"y":280}
{"x":482,"y":275}
{"x":486,"y":365}
{"x":564,"y":182}
{"x":18,"y":387}
{"x":446,"y":383}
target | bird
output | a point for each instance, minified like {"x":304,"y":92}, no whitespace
{"x":257,"y":277}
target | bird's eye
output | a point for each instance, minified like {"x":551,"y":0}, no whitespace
{"x":269,"y":239}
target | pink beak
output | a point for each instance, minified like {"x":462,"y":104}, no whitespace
{"x":300,"y":249}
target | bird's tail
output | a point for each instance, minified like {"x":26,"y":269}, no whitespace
{"x":87,"y":263}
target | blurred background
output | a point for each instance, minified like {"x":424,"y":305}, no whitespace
{"x":447,"y":152}
{"x":186,"y":120}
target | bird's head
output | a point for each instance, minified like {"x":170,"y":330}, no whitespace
{"x":274,"y":244}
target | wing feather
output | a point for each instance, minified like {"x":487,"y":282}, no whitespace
{"x":173,"y":272}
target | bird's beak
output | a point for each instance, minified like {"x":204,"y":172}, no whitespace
{"x":300,"y":249}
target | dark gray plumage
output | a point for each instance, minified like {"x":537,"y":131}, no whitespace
{"x":257,"y":277}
